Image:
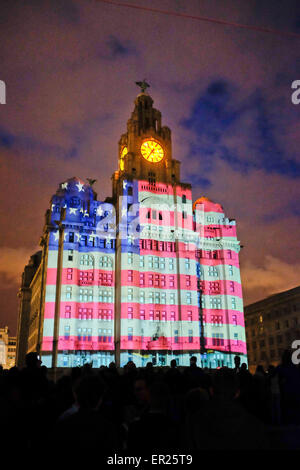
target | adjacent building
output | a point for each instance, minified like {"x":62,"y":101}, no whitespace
{"x":7,"y":349}
{"x":146,"y":275}
{"x":272,"y":324}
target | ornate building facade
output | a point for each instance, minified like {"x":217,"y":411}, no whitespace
{"x":147,"y":275}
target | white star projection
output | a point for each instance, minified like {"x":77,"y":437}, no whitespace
{"x":100,"y":211}
{"x":80,"y":187}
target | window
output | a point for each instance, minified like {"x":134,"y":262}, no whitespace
{"x":187,"y":264}
{"x":171,"y":264}
{"x":231,"y":286}
{"x":86,"y":277}
{"x":279,"y":339}
{"x":175,"y":336}
{"x":69,"y":274}
{"x":130,"y":258}
{"x":142,"y":297}
{"x":234,"y":320}
{"x":236,"y":339}
{"x":213,"y":271}
{"x":215,"y":302}
{"x":163,"y":299}
{"x":86,"y":260}
{"x":142,"y":261}
{"x":184,"y":215}
{"x":163,"y":315}
{"x":89,"y":334}
{"x":233,"y":303}
{"x":130,"y":294}
{"x":151,"y":315}
{"x":85,"y":295}
{"x":142,"y":314}
{"x":150,"y":262}
{"x":67,"y":311}
{"x":157,"y":315}
{"x":79,"y":334}
{"x":105,"y":262}
{"x":130,"y":334}
{"x":70,"y":255}
{"x":188,"y":281}
{"x":130,"y":313}
{"x":172,"y":299}
{"x":105,"y":296}
{"x":230,"y":270}
{"x":100,"y":335}
{"x":189,"y":298}
{"x":214,"y":286}
{"x":163,"y":280}
{"x":150,"y":280}
{"x":142,"y":279}
{"x":69,"y":292}
{"x":71,"y":237}
{"x":172,"y":316}
{"x":190,"y":336}
{"x":130,"y":276}
{"x":183,"y":199}
{"x":109,"y":333}
{"x":67,"y":332}
{"x":105,"y":279}
{"x":190,"y":316}
{"x":171,"y":281}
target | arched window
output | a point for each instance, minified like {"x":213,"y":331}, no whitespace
{"x":87,"y":260}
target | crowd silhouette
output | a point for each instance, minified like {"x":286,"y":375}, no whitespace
{"x":145,"y":409}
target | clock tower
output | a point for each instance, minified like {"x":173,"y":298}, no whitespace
{"x":145,"y":150}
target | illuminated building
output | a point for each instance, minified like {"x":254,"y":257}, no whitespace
{"x":272,"y":324}
{"x":7,"y":349}
{"x":146,"y":275}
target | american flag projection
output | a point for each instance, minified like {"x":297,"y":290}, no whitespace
{"x":148,"y":275}
{"x":151,"y":288}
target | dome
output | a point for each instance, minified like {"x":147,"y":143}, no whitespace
{"x":208,"y":204}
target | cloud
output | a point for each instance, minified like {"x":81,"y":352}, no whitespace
{"x":269,"y":277}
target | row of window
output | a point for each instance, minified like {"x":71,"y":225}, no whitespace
{"x":86,"y":334}
{"x":156,"y":245}
{"x":87,"y":295}
{"x":216,"y":303}
{"x":88,"y":313}
{"x":106,"y":296}
{"x":271,"y":340}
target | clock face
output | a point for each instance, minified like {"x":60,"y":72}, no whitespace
{"x":123,"y":154}
{"x":152,"y":151}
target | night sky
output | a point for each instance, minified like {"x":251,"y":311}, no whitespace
{"x":70,"y":69}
